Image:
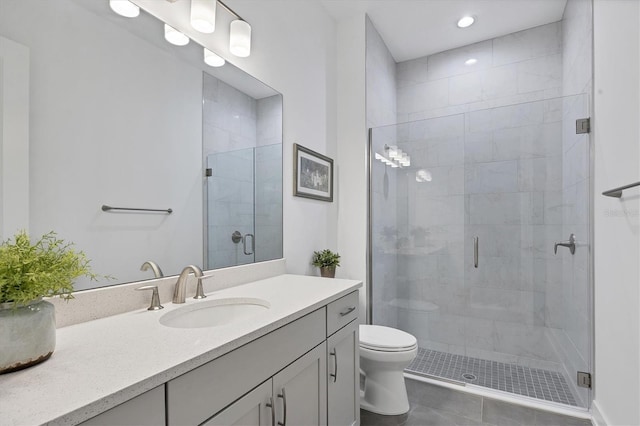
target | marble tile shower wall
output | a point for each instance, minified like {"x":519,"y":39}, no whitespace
{"x":268,"y":201}
{"x":497,"y":174}
{"x":516,"y":68}
{"x":381,"y":111}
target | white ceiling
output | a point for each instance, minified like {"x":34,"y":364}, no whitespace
{"x":415,"y":28}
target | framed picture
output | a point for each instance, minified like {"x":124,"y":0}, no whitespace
{"x":313,"y":174}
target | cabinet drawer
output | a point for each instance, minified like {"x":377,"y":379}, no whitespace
{"x":341,"y":312}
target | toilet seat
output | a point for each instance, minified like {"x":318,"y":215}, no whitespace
{"x":386,"y":339}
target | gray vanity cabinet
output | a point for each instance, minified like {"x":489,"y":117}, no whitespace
{"x":343,"y":361}
{"x":300,"y":390}
{"x":253,"y":409}
{"x":343,"y":376}
{"x":294,"y":396}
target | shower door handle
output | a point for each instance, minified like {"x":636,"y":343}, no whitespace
{"x":253,"y":244}
{"x":475,"y":251}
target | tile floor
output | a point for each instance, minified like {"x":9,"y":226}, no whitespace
{"x":433,"y":405}
{"x":531,"y":382}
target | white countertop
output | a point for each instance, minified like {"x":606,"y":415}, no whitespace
{"x":103,"y":363}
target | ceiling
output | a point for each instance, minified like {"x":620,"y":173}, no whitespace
{"x":415,"y":28}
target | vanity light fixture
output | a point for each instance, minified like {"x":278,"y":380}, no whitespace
{"x":203,"y":15}
{"x":471,"y":61}
{"x":394,"y":157}
{"x":240,"y":38}
{"x":174,"y":36}
{"x":212,"y":59}
{"x":124,"y":8}
{"x":466,"y":21}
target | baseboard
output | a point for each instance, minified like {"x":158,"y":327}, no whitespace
{"x":597,"y":416}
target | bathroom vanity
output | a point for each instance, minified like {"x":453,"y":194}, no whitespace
{"x":295,"y":362}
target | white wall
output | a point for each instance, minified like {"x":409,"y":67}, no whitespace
{"x":294,"y":51}
{"x":352,"y":143}
{"x":617,"y":223}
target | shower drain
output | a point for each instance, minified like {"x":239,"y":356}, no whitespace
{"x":470,"y":377}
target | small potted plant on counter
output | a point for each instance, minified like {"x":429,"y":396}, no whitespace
{"x":28,"y":272}
{"x":327,"y":261}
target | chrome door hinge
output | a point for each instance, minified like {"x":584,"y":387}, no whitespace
{"x":583,"y":125}
{"x":584,"y":379}
{"x":208,"y":172}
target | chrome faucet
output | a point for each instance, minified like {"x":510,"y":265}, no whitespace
{"x":157,"y":272}
{"x":180,"y":291}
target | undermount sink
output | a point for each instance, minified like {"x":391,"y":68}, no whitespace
{"x":214,"y":313}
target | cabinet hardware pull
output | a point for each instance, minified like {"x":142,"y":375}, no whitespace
{"x":273,"y":411}
{"x":335,"y":374}
{"x":347,"y":311}
{"x":283,"y":395}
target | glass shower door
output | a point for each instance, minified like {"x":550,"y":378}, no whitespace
{"x":230,"y":209}
{"x":462,"y":242}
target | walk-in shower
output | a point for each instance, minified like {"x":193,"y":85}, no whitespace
{"x":466,"y":210}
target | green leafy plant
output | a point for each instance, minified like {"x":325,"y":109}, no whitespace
{"x":46,"y":268}
{"x":325,"y":258}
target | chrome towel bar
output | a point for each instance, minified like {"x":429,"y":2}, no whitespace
{"x":617,"y":192}
{"x":106,"y":208}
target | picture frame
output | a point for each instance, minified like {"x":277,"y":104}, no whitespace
{"x":313,"y":174}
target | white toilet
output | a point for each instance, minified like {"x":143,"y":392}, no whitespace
{"x":384,"y":353}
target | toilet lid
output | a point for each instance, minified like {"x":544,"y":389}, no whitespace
{"x":380,"y":338}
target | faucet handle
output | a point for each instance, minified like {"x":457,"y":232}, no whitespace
{"x":199,"y":291}
{"x":155,"y":298}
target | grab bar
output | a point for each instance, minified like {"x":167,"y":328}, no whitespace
{"x":617,"y":192}
{"x":106,"y":208}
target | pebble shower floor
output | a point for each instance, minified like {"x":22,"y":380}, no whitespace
{"x":532,"y":382}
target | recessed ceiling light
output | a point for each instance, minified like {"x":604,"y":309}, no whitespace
{"x":466,"y":21}
{"x":471,"y":61}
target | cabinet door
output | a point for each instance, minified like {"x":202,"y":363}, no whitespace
{"x":300,"y":390}
{"x":343,"y":375}
{"x":253,"y":409}
{"x":143,"y":410}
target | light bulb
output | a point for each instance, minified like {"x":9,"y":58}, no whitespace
{"x":174,"y":36}
{"x":212,"y":59}
{"x":124,"y":8}
{"x":203,"y":15}
{"x":240,"y":38}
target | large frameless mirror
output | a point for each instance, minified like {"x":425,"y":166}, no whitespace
{"x":119,"y":117}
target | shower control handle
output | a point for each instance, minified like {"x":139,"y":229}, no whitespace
{"x":571,"y":245}
{"x":476,"y":240}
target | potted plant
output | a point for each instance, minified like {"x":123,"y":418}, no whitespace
{"x":327,"y":261}
{"x":28,"y":272}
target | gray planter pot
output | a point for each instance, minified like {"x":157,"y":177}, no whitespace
{"x":328,"y":271}
{"x":27,"y":334}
